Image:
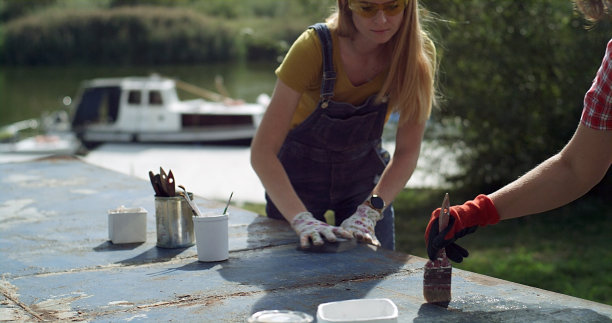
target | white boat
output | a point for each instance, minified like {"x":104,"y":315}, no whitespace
{"x":148,"y":109}
{"x":44,"y":144}
{"x":48,"y":135}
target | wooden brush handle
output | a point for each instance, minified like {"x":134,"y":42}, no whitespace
{"x":443,"y":219}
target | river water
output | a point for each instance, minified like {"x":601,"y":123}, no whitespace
{"x":211,"y":172}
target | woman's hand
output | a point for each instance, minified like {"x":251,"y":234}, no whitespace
{"x":309,"y":228}
{"x":361,"y":224}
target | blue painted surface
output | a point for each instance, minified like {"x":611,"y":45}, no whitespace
{"x":57,"y":263}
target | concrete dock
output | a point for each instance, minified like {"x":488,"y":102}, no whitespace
{"x":58,"y":265}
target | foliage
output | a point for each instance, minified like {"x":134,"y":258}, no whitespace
{"x":125,"y":35}
{"x":160,"y":31}
{"x":11,"y":9}
{"x":514,"y":74}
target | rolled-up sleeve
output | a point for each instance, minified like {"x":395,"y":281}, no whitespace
{"x":597,"y":110}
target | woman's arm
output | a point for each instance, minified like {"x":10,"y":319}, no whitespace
{"x":561,"y":179}
{"x":407,"y":149}
{"x":265,"y":146}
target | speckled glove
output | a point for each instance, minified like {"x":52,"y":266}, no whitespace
{"x":309,"y":228}
{"x":464,"y":219}
{"x":361,"y":224}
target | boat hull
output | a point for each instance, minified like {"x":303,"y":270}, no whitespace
{"x":208,"y":135}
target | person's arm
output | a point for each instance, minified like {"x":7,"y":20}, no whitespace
{"x":408,"y":146}
{"x":398,"y":172}
{"x":561,"y":179}
{"x":265,"y":146}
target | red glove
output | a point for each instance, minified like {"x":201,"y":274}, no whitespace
{"x":464,"y":219}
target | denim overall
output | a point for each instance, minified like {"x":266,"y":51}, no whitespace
{"x":334,"y":158}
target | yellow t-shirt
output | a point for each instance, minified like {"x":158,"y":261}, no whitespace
{"x":302,"y":70}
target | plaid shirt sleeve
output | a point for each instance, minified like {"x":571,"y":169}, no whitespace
{"x":597,"y":111}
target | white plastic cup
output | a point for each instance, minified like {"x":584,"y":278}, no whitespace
{"x":212,"y":241}
{"x":127,"y":225}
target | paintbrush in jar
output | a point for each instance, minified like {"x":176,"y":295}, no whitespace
{"x":437,"y":274}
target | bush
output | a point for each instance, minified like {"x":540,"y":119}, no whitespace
{"x":163,"y":31}
{"x":127,"y":35}
{"x":514,"y":75}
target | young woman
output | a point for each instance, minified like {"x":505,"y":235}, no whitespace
{"x":318,"y":147}
{"x":564,"y":177}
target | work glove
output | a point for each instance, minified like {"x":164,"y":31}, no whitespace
{"x":464,"y":219}
{"x":361,"y":224}
{"x":309,"y":228}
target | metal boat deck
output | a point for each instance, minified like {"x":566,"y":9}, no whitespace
{"x":57,"y":264}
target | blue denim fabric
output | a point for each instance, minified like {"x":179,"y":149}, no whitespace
{"x":334,"y":158}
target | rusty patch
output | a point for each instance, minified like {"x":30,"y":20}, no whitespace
{"x":57,"y":158}
{"x":481,"y":279}
{"x":9,"y":291}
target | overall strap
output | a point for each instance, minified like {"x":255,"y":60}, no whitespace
{"x":329,"y":75}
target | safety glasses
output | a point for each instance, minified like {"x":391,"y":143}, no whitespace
{"x":368,"y":9}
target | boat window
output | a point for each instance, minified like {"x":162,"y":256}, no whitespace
{"x":97,"y":105}
{"x":134,"y":97}
{"x":197,"y":120}
{"x":155,"y":98}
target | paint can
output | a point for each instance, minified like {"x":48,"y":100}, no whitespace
{"x":174,"y":223}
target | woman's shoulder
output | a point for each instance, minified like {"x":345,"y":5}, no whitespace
{"x":307,"y":46}
{"x":308,"y":37}
{"x":302,"y":65}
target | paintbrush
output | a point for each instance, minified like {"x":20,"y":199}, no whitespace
{"x":437,"y":274}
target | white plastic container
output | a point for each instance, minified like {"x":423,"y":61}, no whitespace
{"x":127,"y":225}
{"x":377,"y":310}
{"x":212,"y":240}
{"x":274,"y":316}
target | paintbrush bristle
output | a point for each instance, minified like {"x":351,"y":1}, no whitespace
{"x":437,"y":280}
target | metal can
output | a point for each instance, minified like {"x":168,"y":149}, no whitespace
{"x":174,"y":222}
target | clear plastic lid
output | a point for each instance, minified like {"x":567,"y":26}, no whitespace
{"x":280,"y":316}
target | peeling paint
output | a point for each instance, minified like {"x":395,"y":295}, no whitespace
{"x":59,"y":308}
{"x":121,"y":303}
{"x":33,"y":181}
{"x":84,"y":191}
{"x":19,"y":178}
{"x":484,"y":280}
{"x":62,"y":268}
{"x":138,"y":316}
{"x":14,"y":310}
{"x":19,"y":212}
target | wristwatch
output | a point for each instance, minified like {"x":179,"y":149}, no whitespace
{"x":376,"y":202}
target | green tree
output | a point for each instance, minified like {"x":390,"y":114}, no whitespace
{"x":514,"y":75}
{"x":11,"y":9}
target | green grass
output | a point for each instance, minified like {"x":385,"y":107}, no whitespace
{"x":567,"y":250}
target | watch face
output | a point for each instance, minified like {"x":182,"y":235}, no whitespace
{"x":377,"y":202}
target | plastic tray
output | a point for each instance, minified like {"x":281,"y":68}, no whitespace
{"x":377,"y":310}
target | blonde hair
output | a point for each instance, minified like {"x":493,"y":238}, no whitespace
{"x":411,"y":82}
{"x":593,"y":10}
